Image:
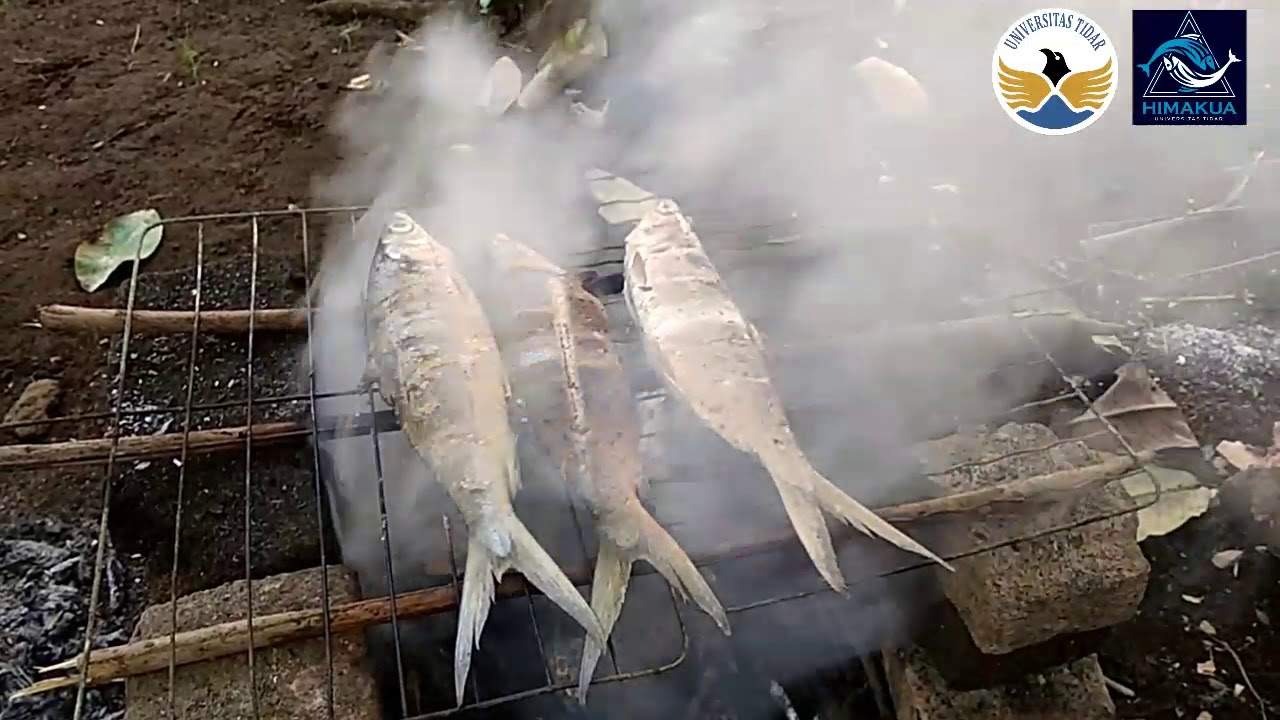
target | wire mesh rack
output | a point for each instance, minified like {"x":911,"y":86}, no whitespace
{"x":119,"y":446}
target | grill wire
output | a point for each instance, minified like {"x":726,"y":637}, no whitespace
{"x":373,"y":423}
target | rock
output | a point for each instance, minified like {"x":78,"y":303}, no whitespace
{"x":1254,"y":496}
{"x":34,"y":404}
{"x":290,"y":679}
{"x":1068,"y":692}
{"x":1069,"y":581}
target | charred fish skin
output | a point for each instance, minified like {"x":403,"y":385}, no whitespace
{"x":593,"y":431}
{"x":713,"y":358}
{"x":435,"y":355}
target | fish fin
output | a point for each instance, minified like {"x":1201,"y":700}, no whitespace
{"x":473,"y":609}
{"x":528,"y":557}
{"x":608,"y":591}
{"x":668,"y":558}
{"x":791,"y":475}
{"x":859,"y":516}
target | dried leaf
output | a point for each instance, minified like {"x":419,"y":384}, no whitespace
{"x":1207,"y":667}
{"x":1263,"y":617}
{"x":502,"y":86}
{"x":1181,"y":499}
{"x":894,"y":90}
{"x":121,"y":241}
{"x":1144,"y":415}
{"x":1237,"y":690}
{"x":1204,"y":715}
{"x":1207,"y":628}
{"x":1244,"y":457}
{"x":621,"y":201}
{"x":1226,"y":558}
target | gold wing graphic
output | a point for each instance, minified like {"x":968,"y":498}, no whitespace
{"x":1023,"y":89}
{"x":1087,"y":88}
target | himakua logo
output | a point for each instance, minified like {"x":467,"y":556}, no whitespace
{"x":1185,"y":80}
{"x":1054,"y":71}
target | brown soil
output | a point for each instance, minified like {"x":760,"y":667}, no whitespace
{"x":105,"y":113}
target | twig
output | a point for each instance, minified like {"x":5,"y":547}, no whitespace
{"x":73,"y":452}
{"x":71,"y":318}
{"x":405,"y":11}
{"x":1244,"y":675}
{"x":232,"y":638}
{"x":1245,"y":297}
{"x":1123,"y":690}
{"x":1041,"y":488}
{"x":137,"y":35}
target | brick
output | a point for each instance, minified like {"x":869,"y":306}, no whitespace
{"x":1075,"y":691}
{"x":290,"y":678}
{"x":1070,"y":581}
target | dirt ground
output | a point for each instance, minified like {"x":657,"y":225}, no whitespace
{"x":220,"y":105}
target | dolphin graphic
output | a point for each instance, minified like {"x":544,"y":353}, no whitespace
{"x":1190,"y":46}
{"x":1190,"y":79}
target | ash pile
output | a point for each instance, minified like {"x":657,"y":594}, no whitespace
{"x":46,"y":575}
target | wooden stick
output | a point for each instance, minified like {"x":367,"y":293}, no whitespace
{"x":72,"y":318}
{"x":231,"y":638}
{"x":76,"y":452}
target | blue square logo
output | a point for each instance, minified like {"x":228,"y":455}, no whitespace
{"x":1190,"y":67}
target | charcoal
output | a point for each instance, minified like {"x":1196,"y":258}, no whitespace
{"x":46,"y":574}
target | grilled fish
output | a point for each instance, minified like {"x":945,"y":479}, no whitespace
{"x":437,"y":364}
{"x":710,"y":356}
{"x":572,"y":385}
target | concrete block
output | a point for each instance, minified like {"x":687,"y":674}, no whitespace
{"x":1069,"y":581}
{"x":290,"y":679}
{"x":1067,"y":692}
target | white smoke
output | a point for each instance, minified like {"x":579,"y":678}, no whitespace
{"x":747,"y":113}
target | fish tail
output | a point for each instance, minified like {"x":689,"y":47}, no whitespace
{"x":792,"y":476}
{"x":1145,"y":68}
{"x":473,"y":610}
{"x":528,"y":557}
{"x":859,"y":516}
{"x":1231,"y":56}
{"x":608,"y":590}
{"x":613,"y":574}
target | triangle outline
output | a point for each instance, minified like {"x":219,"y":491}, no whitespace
{"x":1188,"y":24}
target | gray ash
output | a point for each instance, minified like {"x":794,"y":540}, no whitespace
{"x":46,"y":573}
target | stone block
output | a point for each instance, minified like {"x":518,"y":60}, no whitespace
{"x":290,"y":679}
{"x":1075,"y":691}
{"x":1067,"y":581}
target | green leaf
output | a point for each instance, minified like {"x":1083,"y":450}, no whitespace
{"x":118,"y":244}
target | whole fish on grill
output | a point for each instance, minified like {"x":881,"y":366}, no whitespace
{"x":438,"y":366}
{"x":571,"y":385}
{"x":709,"y":355}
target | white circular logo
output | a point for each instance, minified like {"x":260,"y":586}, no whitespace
{"x":1054,"y":71}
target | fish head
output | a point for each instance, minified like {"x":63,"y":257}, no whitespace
{"x":1168,"y":61}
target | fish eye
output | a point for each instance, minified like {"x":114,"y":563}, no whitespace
{"x":400,"y":224}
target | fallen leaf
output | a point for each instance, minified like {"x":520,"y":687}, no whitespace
{"x":121,"y":241}
{"x":894,"y":90}
{"x":620,"y":200}
{"x":502,"y":86}
{"x":1244,"y":456}
{"x":1226,"y":558}
{"x":1193,"y":599}
{"x":1263,"y":618}
{"x":1238,"y":690}
{"x":1143,"y":414}
{"x":1111,"y":341}
{"x":1204,"y":715}
{"x":1207,"y":628}
{"x":1181,"y":498}
{"x":1207,"y":667}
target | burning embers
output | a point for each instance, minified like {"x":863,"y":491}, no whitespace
{"x":46,"y":571}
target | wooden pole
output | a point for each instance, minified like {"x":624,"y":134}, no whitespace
{"x":232,"y":638}
{"x":72,"y":318}
{"x":79,"y":452}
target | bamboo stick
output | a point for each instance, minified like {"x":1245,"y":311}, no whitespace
{"x":225,"y":639}
{"x":76,"y":452}
{"x":72,"y":318}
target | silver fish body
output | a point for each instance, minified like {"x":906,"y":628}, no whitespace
{"x":713,"y":358}
{"x":574,"y":389}
{"x":438,"y":365}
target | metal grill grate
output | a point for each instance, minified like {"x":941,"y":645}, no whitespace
{"x":374,"y":423}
